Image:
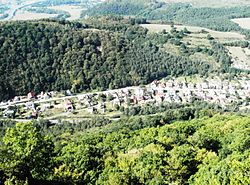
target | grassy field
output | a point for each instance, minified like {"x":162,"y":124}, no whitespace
{"x":196,"y":31}
{"x":196,"y":41}
{"x":241,"y":57}
{"x":198,"y":37}
{"x":74,"y":11}
{"x":24,"y":15}
{"x":243,"y":22}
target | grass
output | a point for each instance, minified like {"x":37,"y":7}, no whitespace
{"x":24,"y":15}
{"x":240,"y":57}
{"x":196,"y":31}
{"x":194,"y":41}
{"x":198,"y":37}
{"x":74,"y":11}
{"x":243,"y":22}
{"x":205,"y":58}
{"x":172,"y":49}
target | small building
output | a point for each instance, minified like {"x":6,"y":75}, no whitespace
{"x":16,"y":99}
{"x":92,"y":110}
{"x":68,"y":105}
{"x":31,"y":95}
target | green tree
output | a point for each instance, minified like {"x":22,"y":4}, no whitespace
{"x":26,"y":153}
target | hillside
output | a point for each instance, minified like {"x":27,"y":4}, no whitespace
{"x":50,"y":55}
{"x":217,"y":18}
{"x":212,"y":3}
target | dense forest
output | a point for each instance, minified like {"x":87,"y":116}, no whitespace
{"x":137,"y":150}
{"x":213,"y":18}
{"x":99,"y":54}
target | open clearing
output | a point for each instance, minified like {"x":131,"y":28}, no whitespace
{"x":240,"y":57}
{"x":74,"y":11}
{"x":193,"y":41}
{"x":243,"y":22}
{"x":196,"y":31}
{"x":198,"y":37}
{"x":24,"y":15}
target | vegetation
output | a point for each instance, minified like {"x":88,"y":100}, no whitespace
{"x":136,"y":150}
{"x":61,"y":14}
{"x":154,"y":144}
{"x":59,"y":55}
{"x":213,"y":18}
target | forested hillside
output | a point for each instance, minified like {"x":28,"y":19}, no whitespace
{"x":50,"y":55}
{"x":139,"y":150}
{"x":213,"y":18}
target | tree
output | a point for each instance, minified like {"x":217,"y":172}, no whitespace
{"x":209,"y":37}
{"x":26,"y":153}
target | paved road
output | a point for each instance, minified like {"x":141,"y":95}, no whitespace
{"x":23,"y":102}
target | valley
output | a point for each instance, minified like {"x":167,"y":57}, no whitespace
{"x":55,"y":106}
{"x":122,"y":92}
{"x":195,"y":44}
{"x":41,"y":9}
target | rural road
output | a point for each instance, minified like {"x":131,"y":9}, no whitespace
{"x":14,"y":8}
{"x":23,"y":102}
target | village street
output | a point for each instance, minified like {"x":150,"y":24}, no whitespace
{"x":221,"y":92}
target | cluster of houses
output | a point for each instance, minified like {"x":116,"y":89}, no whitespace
{"x":223,"y":92}
{"x":212,"y":90}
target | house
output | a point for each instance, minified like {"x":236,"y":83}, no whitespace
{"x":17,"y":98}
{"x":68,"y":105}
{"x":31,"y":95}
{"x":140,"y":92}
{"x":102,"y":108}
{"x":116,"y":101}
{"x":30,"y":105}
{"x":68,"y":93}
{"x":167,"y":98}
{"x":34,"y":114}
{"x":45,"y":106}
{"x":46,"y":96}
{"x":92,"y":110}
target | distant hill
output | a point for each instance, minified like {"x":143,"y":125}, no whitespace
{"x":217,"y":18}
{"x":211,"y":3}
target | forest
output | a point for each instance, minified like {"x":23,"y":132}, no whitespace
{"x":50,"y":55}
{"x":181,"y":13}
{"x":209,"y":148}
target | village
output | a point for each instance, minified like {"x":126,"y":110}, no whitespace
{"x":57,"y":105}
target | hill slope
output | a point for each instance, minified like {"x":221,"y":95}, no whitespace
{"x":49,"y":55}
